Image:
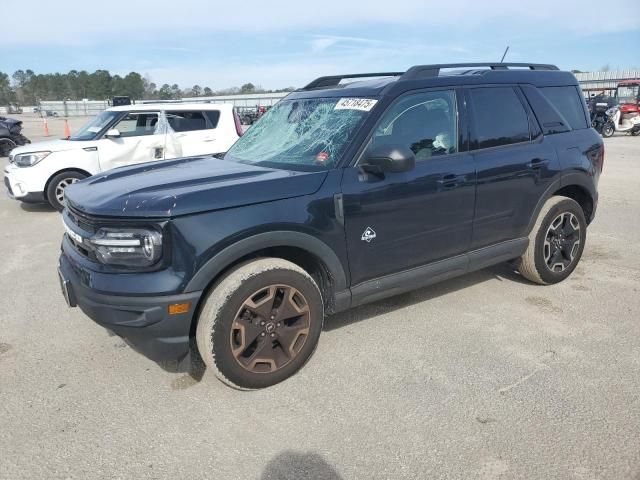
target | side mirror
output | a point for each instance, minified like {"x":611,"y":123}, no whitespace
{"x":389,"y":159}
{"x":112,"y":133}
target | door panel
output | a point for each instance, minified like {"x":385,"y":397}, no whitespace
{"x":417,"y":217}
{"x":397,"y":221}
{"x":194,"y":132}
{"x":511,"y":180}
{"x":514,"y":163}
{"x":137,"y":143}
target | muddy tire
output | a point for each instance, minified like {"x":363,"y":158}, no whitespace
{"x":260,"y":323}
{"x":556,"y":242}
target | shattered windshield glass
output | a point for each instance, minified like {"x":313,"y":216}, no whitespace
{"x":302,"y":134}
{"x":90,"y":129}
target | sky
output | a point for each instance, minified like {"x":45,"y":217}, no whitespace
{"x":281,"y":43}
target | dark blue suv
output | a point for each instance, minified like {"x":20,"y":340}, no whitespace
{"x":352,"y":189}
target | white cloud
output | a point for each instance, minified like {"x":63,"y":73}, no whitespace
{"x":82,"y":22}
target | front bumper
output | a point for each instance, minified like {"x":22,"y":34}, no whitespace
{"x":143,"y":322}
{"x":19,"y":189}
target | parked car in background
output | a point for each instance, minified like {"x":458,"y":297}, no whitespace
{"x":119,"y":136}
{"x":345,"y":192}
{"x":11,"y":135}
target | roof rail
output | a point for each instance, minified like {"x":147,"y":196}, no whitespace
{"x":334,"y":80}
{"x":426,"y":71}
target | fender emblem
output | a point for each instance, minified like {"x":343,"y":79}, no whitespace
{"x":368,"y":235}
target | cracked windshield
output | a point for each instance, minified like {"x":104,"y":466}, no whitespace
{"x":307,"y":134}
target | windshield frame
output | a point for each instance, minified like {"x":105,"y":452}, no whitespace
{"x":346,"y":148}
{"x":115,"y":116}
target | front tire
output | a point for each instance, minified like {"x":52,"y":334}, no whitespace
{"x":556,"y":242}
{"x":608,"y":130}
{"x":57,"y":186}
{"x":260,"y":324}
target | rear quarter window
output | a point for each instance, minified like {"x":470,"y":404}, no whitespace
{"x":190,"y":121}
{"x":569,"y":103}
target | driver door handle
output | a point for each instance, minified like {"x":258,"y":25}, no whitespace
{"x":450,"y":180}
{"x":537,"y":163}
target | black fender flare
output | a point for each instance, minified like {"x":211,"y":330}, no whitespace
{"x":578,"y":179}
{"x":221,"y":260}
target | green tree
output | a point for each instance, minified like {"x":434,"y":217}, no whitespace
{"x":196,"y":90}
{"x":175,"y":91}
{"x":248,"y":88}
{"x":165,"y":92}
{"x":7,"y":95}
{"x":99,"y":84}
{"x":118,"y":86}
{"x":207,"y":92}
{"x":134,"y":85}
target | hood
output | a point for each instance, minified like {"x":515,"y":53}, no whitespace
{"x":185,"y":186}
{"x":51,"y":146}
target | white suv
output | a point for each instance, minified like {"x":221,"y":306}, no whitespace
{"x":119,"y":136}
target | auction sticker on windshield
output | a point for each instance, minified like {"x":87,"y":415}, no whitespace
{"x":364,"y":104}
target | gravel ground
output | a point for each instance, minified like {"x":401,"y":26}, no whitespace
{"x":485,"y":376}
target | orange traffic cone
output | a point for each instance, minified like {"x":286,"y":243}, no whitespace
{"x":67,"y":132}
{"x":46,"y":126}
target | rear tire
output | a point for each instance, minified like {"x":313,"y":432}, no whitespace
{"x":260,"y":324}
{"x":57,"y":185}
{"x":556,"y":242}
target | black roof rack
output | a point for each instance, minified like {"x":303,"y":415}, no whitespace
{"x":334,"y":80}
{"x":423,"y":71}
{"x":426,"y":71}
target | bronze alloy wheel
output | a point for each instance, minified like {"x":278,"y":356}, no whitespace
{"x":270,"y":328}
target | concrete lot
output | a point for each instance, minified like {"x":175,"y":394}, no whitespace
{"x":485,"y":376}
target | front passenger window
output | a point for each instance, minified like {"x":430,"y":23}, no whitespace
{"x":424,"y":122}
{"x":137,"y":124}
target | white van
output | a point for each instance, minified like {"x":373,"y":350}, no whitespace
{"x":119,"y":136}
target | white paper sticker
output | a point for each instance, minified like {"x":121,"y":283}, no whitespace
{"x":94,"y":129}
{"x":364,"y":104}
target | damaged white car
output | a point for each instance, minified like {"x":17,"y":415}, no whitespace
{"x":119,"y":136}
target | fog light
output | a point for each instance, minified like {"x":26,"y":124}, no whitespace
{"x":176,"y":308}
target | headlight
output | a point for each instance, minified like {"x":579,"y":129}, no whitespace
{"x":29,"y":159}
{"x":135,"y":247}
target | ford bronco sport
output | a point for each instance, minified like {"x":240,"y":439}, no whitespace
{"x":347,"y":191}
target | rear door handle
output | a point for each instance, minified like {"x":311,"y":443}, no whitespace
{"x":537,"y":163}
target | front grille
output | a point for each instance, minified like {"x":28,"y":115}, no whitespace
{"x":81,"y":220}
{"x":72,"y":217}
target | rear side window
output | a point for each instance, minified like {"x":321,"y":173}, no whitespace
{"x":499,"y":118}
{"x":568,"y":102}
{"x":189,"y":121}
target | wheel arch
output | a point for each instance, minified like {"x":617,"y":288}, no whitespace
{"x":51,"y":177}
{"x":576,"y":186}
{"x":306,"y":251}
{"x":581,"y":195}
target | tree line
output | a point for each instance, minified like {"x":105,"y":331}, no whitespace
{"x":25,"y":87}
